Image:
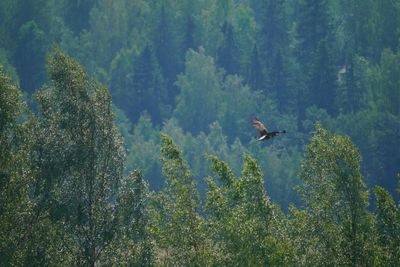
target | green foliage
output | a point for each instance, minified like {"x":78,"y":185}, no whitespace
{"x":77,"y":164}
{"x":200,"y":92}
{"x":228,"y":53}
{"x":143,"y":153}
{"x":384,"y":81}
{"x":30,"y":56}
{"x":339,"y":223}
{"x":132,"y":246}
{"x":388,"y":221}
{"x":242,"y":220}
{"x":199,"y":71}
{"x":177,"y":225}
{"x":140,"y":86}
{"x":14,"y":204}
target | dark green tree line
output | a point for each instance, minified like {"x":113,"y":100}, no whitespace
{"x":65,"y":200}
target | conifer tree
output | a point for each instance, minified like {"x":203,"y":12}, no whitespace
{"x":149,"y":87}
{"x":165,"y":50}
{"x":274,"y":44}
{"x":315,"y":54}
{"x":30,"y":53}
{"x":255,"y":75}
{"x":138,"y":86}
{"x":228,"y":53}
{"x":189,"y":40}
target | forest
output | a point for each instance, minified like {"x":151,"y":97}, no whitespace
{"x":126,"y":134}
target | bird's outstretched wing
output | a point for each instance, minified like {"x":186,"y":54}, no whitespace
{"x":259,"y":126}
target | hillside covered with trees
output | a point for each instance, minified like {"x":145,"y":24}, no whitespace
{"x":126,"y":136}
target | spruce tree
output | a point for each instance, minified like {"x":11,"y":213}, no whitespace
{"x":166,"y":51}
{"x":315,"y":54}
{"x":149,"y":87}
{"x":228,"y":53}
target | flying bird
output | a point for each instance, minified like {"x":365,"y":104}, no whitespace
{"x":264,"y":134}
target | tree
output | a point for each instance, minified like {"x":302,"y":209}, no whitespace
{"x":165,"y":51}
{"x":76,"y":14}
{"x":242,"y":220}
{"x":144,"y":152}
{"x":388,"y":222}
{"x":149,"y":86}
{"x":228,"y":53}
{"x":274,"y":45}
{"x":132,"y":246}
{"x":189,"y":37}
{"x":384,"y":81}
{"x":197,"y":104}
{"x":177,"y":222}
{"x":239,"y":104}
{"x":30,"y":53}
{"x":78,"y":163}
{"x":138,"y":85}
{"x":315,"y":54}
{"x":255,"y":74}
{"x":339,"y":226}
{"x":14,"y":175}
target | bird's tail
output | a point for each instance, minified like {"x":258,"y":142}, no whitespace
{"x":278,"y":132}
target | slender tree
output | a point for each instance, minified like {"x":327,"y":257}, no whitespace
{"x":228,"y":53}
{"x":14,"y":175}
{"x":388,"y":221}
{"x":177,"y":222}
{"x":315,"y":54}
{"x":165,"y":50}
{"x":242,"y":219}
{"x":78,"y":157}
{"x":336,"y":200}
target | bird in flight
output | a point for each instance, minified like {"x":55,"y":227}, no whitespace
{"x":264,"y":134}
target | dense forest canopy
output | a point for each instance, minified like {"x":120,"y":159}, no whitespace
{"x":126,"y":136}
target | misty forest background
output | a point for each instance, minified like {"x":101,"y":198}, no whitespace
{"x":126,"y":136}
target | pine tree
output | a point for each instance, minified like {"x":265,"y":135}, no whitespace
{"x":273,"y":33}
{"x":77,"y":14}
{"x":138,"y":86}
